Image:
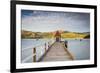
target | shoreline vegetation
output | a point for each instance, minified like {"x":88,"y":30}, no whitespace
{"x":65,"y":34}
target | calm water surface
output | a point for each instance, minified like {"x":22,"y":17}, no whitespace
{"x":79,"y":48}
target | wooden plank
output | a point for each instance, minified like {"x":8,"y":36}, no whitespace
{"x":57,"y":53}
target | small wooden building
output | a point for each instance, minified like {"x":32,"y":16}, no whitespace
{"x":58,"y":36}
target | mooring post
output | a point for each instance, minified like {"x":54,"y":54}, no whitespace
{"x":34,"y":56}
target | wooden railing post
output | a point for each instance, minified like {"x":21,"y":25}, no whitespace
{"x":48,"y":44}
{"x":66,"y":44}
{"x":34,"y":57}
{"x":45,"y":47}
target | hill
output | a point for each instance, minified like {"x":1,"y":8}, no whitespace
{"x":65,"y":34}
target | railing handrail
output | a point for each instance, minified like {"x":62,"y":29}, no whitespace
{"x":27,"y":58}
{"x":34,"y":46}
{"x":34,"y":51}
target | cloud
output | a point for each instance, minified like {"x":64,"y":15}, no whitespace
{"x":51,"y":21}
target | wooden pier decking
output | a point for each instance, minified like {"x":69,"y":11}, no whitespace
{"x":57,"y":52}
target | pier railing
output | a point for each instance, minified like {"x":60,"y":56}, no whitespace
{"x":36,"y":52}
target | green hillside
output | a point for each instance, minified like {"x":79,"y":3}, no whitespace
{"x":65,"y":34}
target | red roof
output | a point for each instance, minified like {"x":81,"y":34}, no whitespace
{"x":57,"y":33}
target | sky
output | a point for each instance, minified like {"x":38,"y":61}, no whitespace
{"x":48,"y":21}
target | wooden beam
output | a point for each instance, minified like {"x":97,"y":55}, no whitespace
{"x":34,"y":57}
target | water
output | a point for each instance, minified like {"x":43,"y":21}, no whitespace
{"x":79,"y":49}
